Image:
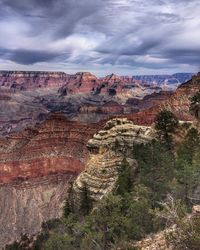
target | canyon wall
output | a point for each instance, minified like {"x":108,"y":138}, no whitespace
{"x":35,"y":168}
{"x":54,"y":146}
{"x":24,"y":205}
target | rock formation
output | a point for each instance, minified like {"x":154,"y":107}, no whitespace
{"x":28,"y":97}
{"x":107,"y":149}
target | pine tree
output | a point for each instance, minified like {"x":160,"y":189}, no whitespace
{"x":186,"y":168}
{"x":86,"y":201}
{"x":166,"y":124}
{"x":156,"y":168}
{"x":194,"y":105}
{"x":124,"y":183}
{"x":69,"y":203}
{"x":67,"y":209}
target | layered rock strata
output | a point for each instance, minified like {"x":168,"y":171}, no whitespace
{"x":35,"y":168}
{"x":107,"y":150}
{"x":54,"y":146}
{"x":26,"y":80}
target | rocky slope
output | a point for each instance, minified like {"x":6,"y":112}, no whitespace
{"x":107,"y":149}
{"x":36,"y":165}
{"x":24,"y":205}
{"x":179,"y":102}
{"x":154,"y":242}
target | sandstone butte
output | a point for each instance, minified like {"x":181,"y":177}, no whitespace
{"x":107,"y":150}
{"x":79,"y":83}
{"x":178,"y":102}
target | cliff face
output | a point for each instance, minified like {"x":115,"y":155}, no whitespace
{"x":25,"y":205}
{"x":107,"y":149}
{"x":35,"y":167}
{"x":56,"y":145}
{"x":80,"y":83}
{"x":85,"y":82}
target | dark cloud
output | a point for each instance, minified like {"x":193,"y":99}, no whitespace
{"x":59,"y":17}
{"x":29,"y":57}
{"x":153,"y":34}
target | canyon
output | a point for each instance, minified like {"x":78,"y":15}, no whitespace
{"x":54,"y":126}
{"x":26,"y":98}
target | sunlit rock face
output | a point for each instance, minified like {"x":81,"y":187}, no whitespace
{"x":107,"y":150}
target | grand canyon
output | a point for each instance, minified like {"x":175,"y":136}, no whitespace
{"x":47,"y":119}
{"x":99,"y":125}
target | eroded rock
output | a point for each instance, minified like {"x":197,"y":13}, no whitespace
{"x":107,"y":150}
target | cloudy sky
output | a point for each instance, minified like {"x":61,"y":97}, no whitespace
{"x":102,"y":36}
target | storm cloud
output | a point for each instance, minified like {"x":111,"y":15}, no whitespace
{"x":101,"y":36}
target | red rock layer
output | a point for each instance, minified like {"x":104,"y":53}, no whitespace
{"x":85,"y":82}
{"x":82,"y":82}
{"x":26,"y":80}
{"x":55,"y":146}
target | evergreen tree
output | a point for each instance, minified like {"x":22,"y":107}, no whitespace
{"x":189,"y":146}
{"x":124,"y":183}
{"x":86,"y":201}
{"x":195,"y":105}
{"x":59,"y":242}
{"x":69,"y":203}
{"x":156,"y":168}
{"x":67,"y":209}
{"x":186,"y":168}
{"x":166,"y":124}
